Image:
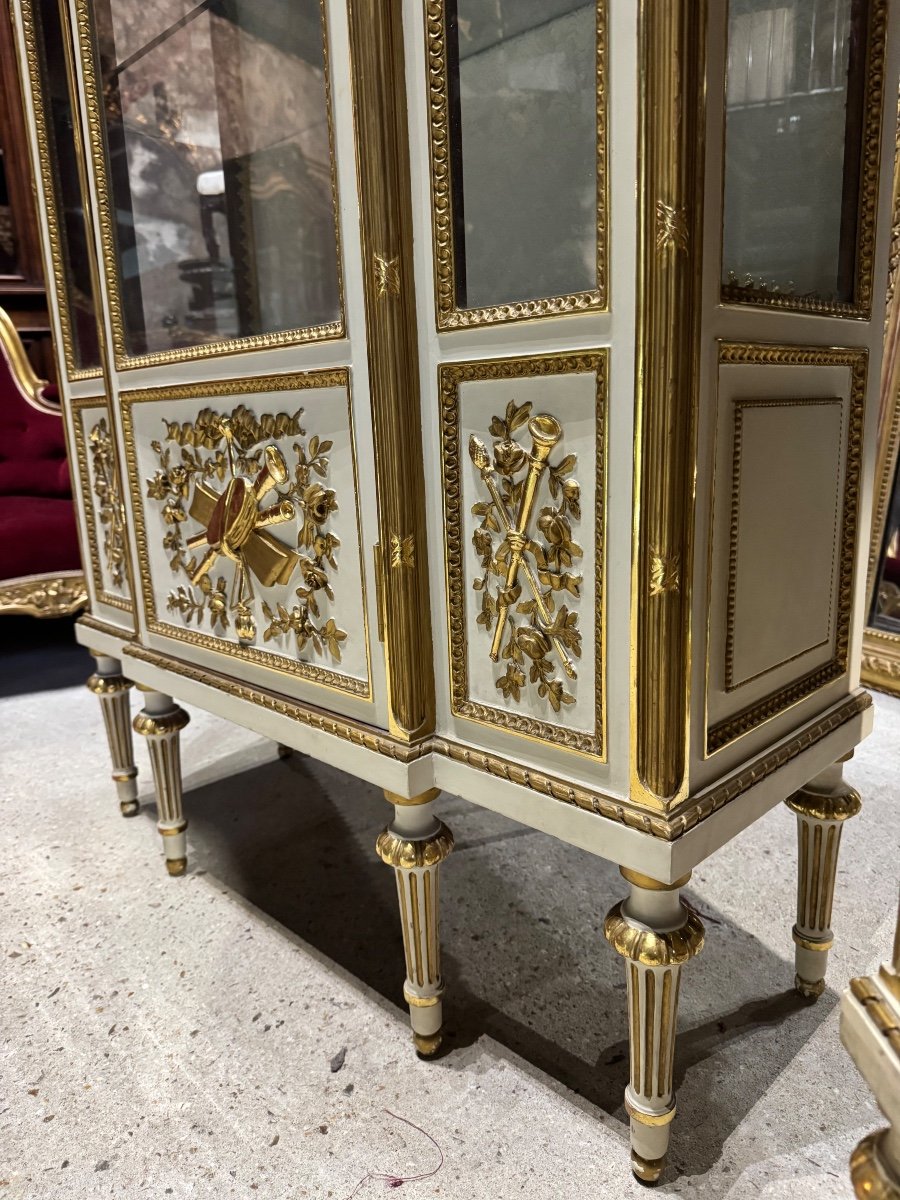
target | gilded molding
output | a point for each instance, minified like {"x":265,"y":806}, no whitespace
{"x":406,"y":854}
{"x":269,"y":425}
{"x":450,"y":376}
{"x":160,"y":725}
{"x":108,"y":685}
{"x":386,"y":229}
{"x":52,"y":595}
{"x":93,"y":103}
{"x":870,"y":1174}
{"x":448,"y":314}
{"x":46,"y":158}
{"x":643,"y":945}
{"x":821,"y":806}
{"x":856,"y":360}
{"x":672,"y":38}
{"x":89,"y":621}
{"x":860,"y":307}
{"x":666,"y":828}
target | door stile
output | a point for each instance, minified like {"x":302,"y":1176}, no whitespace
{"x":379,"y":110}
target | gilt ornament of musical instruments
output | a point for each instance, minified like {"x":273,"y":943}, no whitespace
{"x":245,"y":523}
{"x":516,"y":543}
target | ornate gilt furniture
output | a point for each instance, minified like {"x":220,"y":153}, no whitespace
{"x":40,"y":569}
{"x":870,"y":1029}
{"x":440,"y":458}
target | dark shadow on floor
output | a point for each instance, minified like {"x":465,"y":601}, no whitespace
{"x":523,"y":952}
{"x":40,"y":655}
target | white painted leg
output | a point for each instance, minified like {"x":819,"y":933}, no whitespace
{"x":161,"y":722}
{"x":656,"y":933}
{"x":112,"y":689}
{"x":821,"y":808}
{"x":415,"y":844}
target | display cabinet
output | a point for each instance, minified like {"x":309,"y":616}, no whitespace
{"x":489,"y":399}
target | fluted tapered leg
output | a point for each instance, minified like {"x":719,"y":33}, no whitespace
{"x":161,"y":722}
{"x":656,"y":933}
{"x":415,"y":844}
{"x":112,"y":689}
{"x":821,"y":808}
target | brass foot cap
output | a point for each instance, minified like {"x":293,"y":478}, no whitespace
{"x":809,"y":989}
{"x":129,"y":808}
{"x":176,"y":866}
{"x":647,"y":1170}
{"x":427,"y":1045}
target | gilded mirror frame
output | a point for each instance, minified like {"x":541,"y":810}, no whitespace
{"x":860,"y":307}
{"x":87,"y":47}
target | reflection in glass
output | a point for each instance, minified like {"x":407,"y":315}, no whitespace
{"x":8,"y":262}
{"x":219,"y":160}
{"x":61,"y":158}
{"x":522,"y":82}
{"x":886,"y":605}
{"x":794,"y":111}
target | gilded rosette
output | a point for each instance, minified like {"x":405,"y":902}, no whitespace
{"x":652,"y":949}
{"x":406,"y":854}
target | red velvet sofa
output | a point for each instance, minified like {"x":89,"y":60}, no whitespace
{"x":40,"y":563}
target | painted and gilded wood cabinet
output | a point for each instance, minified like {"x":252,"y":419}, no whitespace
{"x":485,"y":402}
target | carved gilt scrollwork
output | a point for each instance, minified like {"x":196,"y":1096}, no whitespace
{"x":535,"y":632}
{"x":222,"y":472}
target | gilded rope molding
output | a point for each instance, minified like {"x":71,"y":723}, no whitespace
{"x":672,"y":37}
{"x":668,"y":828}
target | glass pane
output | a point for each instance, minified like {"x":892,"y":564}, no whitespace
{"x":794,"y":108}
{"x":886,"y":606}
{"x":8,"y":262}
{"x":219,"y":158}
{"x":79,"y":297}
{"x":522,"y":81}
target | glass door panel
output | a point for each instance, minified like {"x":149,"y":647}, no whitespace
{"x":65,"y":212}
{"x":799,"y":94}
{"x":218,"y":151}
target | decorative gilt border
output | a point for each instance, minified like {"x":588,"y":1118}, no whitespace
{"x":448,"y":315}
{"x":55,"y":594}
{"x":860,"y":307}
{"x":337,"y":377}
{"x":730,"y":728}
{"x":734,"y":534}
{"x":101,"y":593}
{"x":50,"y":206}
{"x":672,"y":125}
{"x":881,"y":661}
{"x":667,"y":829}
{"x":291,"y":337}
{"x":450,"y":376}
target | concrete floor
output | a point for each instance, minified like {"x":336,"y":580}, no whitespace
{"x":175,"y":1037}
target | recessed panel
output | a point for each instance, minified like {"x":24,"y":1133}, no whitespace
{"x":245,"y":504}
{"x":524,"y":487}
{"x":785,"y":501}
{"x":786,"y":506}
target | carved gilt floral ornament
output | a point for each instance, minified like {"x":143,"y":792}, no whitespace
{"x":548,"y":638}
{"x":223,"y":473}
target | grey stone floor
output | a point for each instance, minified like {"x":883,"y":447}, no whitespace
{"x":166,"y":1037}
